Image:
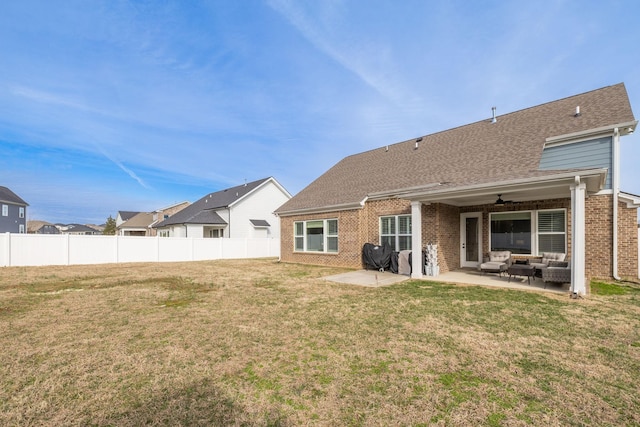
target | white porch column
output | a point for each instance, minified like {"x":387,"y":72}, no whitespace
{"x":416,"y":240}
{"x":578,"y":194}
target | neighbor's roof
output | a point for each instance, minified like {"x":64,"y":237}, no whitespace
{"x":140,"y":220}
{"x":79,"y":228}
{"x":477,"y":153}
{"x":9,"y":196}
{"x":35,"y":225}
{"x":127,"y":215}
{"x":203,"y":210}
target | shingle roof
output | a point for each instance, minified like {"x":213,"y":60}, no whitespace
{"x":127,"y":215}
{"x":203,"y":210}
{"x":476,"y":153}
{"x":140,"y":220}
{"x":9,"y":196}
{"x":259,"y":222}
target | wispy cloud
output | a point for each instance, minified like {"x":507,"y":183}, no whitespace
{"x":322,"y":27}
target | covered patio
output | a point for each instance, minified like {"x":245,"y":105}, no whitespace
{"x":476,"y":203}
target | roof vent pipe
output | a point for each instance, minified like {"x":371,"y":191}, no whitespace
{"x":493,"y":115}
{"x":577,"y":111}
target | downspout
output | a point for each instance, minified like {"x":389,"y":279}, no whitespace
{"x":616,"y":189}
{"x":229,"y":210}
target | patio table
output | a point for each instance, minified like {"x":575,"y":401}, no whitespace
{"x":521,"y":270}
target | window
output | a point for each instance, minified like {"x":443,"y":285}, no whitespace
{"x":5,"y":210}
{"x":511,"y":231}
{"x":21,"y":212}
{"x":216,"y":233}
{"x":21,"y":230}
{"x":552,"y":235}
{"x":316,"y":236}
{"x":529,"y":232}
{"x":396,"y":232}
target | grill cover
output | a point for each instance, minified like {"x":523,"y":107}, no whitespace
{"x":376,"y":257}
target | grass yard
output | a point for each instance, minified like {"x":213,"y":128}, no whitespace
{"x":264,"y":343}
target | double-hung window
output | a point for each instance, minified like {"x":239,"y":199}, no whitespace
{"x":316,"y":236}
{"x":5,"y":210}
{"x":396,"y":231}
{"x":552,"y":231}
{"x":21,"y":212}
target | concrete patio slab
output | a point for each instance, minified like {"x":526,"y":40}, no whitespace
{"x":371,"y":278}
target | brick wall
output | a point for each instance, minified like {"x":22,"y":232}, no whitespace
{"x":349,"y":240}
{"x":627,"y":242}
{"x":599,"y":253}
{"x":441,"y":225}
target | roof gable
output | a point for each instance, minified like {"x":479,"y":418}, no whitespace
{"x":8,"y":196}
{"x":201,"y":211}
{"x":140,"y":220}
{"x":472,"y":154}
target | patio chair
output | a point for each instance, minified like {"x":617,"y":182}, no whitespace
{"x":547,"y":257}
{"x":556,"y":272}
{"x":496,"y":262}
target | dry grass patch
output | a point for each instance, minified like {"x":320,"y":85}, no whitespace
{"x":264,"y":343}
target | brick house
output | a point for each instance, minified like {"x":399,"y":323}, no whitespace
{"x":542,"y":179}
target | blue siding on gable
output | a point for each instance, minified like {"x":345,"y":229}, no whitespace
{"x":595,"y":153}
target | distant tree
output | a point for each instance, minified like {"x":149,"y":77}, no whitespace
{"x":110,"y":226}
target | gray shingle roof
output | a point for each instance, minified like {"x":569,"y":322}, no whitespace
{"x":127,"y":215}
{"x":259,"y":223}
{"x":481,"y":152}
{"x":9,"y":196}
{"x":140,"y":220}
{"x":203,"y":210}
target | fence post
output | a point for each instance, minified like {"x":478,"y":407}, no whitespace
{"x":67,"y":248}
{"x":117,"y":249}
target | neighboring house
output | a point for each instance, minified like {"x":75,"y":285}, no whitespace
{"x":13,"y":216}
{"x":242,"y":211}
{"x":41,"y":227}
{"x":124,"y":216}
{"x":141,"y":224}
{"x":78,"y":229}
{"x":137,"y":225}
{"x":542,"y":179}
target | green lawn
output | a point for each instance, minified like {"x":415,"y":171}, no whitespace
{"x":264,"y":343}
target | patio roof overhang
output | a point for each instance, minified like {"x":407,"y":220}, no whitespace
{"x":549,"y":186}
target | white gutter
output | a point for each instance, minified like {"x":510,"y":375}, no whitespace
{"x":323,"y":209}
{"x":615,"y":178}
{"x":589,"y":133}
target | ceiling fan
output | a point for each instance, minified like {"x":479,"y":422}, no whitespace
{"x":501,"y":202}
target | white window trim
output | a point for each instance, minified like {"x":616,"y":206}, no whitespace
{"x":21,"y":212}
{"x":325,"y":236}
{"x":534,"y":228}
{"x":566,"y":228}
{"x":397,"y":233}
{"x":5,"y":210}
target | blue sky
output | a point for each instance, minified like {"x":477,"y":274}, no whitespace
{"x":134,"y":105}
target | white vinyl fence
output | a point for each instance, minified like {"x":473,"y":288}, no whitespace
{"x":66,"y":249}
